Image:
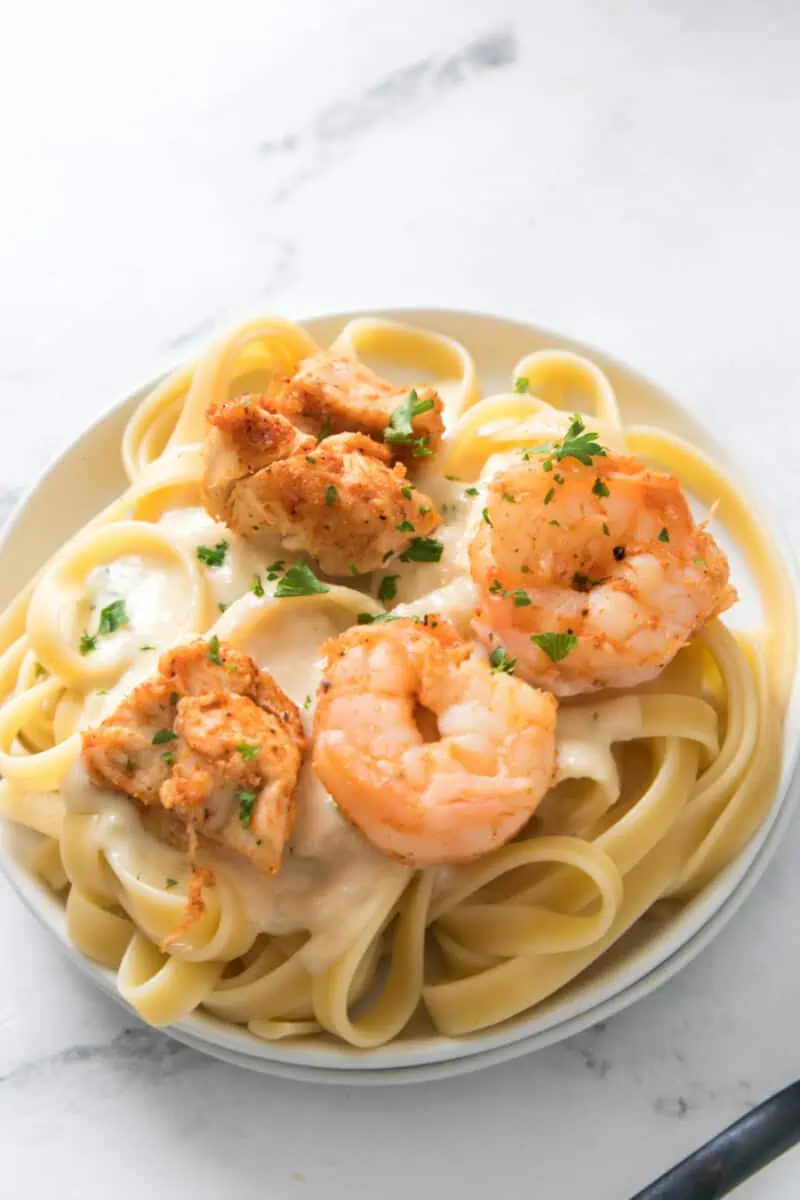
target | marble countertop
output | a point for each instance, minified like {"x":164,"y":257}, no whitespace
{"x":625,"y":173}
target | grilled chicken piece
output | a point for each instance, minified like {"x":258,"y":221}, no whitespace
{"x":339,"y":500}
{"x":213,"y":746}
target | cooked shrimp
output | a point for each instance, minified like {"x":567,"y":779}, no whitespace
{"x":592,"y":574}
{"x":455,"y":794}
{"x":339,"y":500}
{"x":343,"y":395}
{"x":213,"y":744}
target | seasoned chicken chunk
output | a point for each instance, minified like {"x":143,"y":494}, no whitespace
{"x":343,"y":395}
{"x":339,"y":500}
{"x":212,"y":745}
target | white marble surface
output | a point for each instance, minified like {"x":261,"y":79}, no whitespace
{"x":624,"y":172}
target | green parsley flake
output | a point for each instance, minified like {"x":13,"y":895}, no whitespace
{"x":400,"y":430}
{"x":246,"y":802}
{"x":168,"y":757}
{"x":174,"y":697}
{"x":599,"y":488}
{"x":496,"y":588}
{"x":222,"y":606}
{"x":555,"y":645}
{"x":248,"y":750}
{"x":423,"y":550}
{"x":213,"y":556}
{"x":388,"y":589}
{"x":352,"y":568}
{"x":113,"y":617}
{"x":325,"y":430}
{"x":330,"y":496}
{"x":424,"y":510}
{"x":549,"y":495}
{"x":148,"y":647}
{"x":257,"y":587}
{"x":408,"y":492}
{"x":365,"y":618}
{"x":485,"y":516}
{"x":38,"y":670}
{"x":87,"y":643}
{"x":421,"y":448}
{"x":471,"y":491}
{"x":500,"y":660}
{"x":162,"y":736}
{"x":606,"y":530}
{"x":170,"y":882}
{"x":213,"y":651}
{"x":577,"y":442}
{"x":521,"y":598}
{"x":404,"y":527}
{"x":521,"y":385}
{"x":307,"y":702}
{"x":664,"y":535}
{"x":300,"y":580}
{"x":582,"y":583}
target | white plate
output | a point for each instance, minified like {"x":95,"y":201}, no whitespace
{"x":89,"y":474}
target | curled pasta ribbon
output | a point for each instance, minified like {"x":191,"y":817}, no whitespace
{"x":463,"y":1005}
{"x":566,"y":380}
{"x":441,"y":361}
{"x":98,"y":932}
{"x":44,"y":770}
{"x":163,"y":989}
{"x":42,"y":811}
{"x":392,"y":1009}
{"x":505,"y":422}
{"x":244,"y":358}
{"x":512,"y":929}
{"x":149,"y":429}
{"x":249,"y":614}
{"x":52,"y":625}
{"x":45,"y":862}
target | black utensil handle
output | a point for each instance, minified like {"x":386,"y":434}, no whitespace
{"x":735,"y":1154}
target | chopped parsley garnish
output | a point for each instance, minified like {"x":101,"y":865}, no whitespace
{"x":213,"y":650}
{"x":423,"y":550}
{"x":276,"y":567}
{"x":149,"y":647}
{"x":388,"y":589}
{"x":577,"y":442}
{"x":521,"y":385}
{"x":246,"y":802}
{"x":38,"y":670}
{"x":558,"y":478}
{"x":170,"y":882}
{"x":599,"y":488}
{"x":324,"y":430}
{"x":365,"y":618}
{"x":582,"y":583}
{"x":400,"y":430}
{"x":163,"y":735}
{"x":352,"y":568}
{"x":248,"y":750}
{"x":664,"y":535}
{"x":606,"y":530}
{"x":310,"y":459}
{"x":404,"y":527}
{"x":521,"y":598}
{"x":174,"y":697}
{"x":699,"y":562}
{"x":509,"y":498}
{"x":168,"y":757}
{"x":213,"y":556}
{"x":549,"y":495}
{"x":424,"y":510}
{"x":113,"y":617}
{"x":330,"y":496}
{"x":421,"y":447}
{"x":555,"y":645}
{"x":496,"y":588}
{"x":453,"y":478}
{"x":221,"y":605}
{"x":471,"y":491}
{"x":500,"y":660}
{"x":485,"y":516}
{"x":389,"y":554}
{"x":307,"y":702}
{"x":300,"y":580}
{"x":525,"y":569}
{"x":407,"y":492}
